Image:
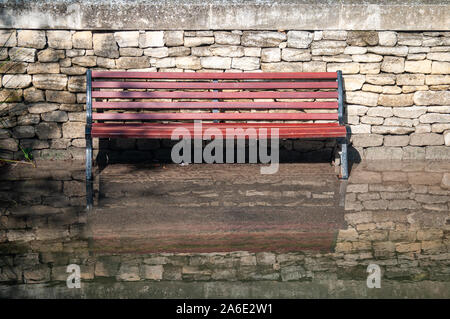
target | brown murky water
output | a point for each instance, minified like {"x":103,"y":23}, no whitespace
{"x":226,"y":231}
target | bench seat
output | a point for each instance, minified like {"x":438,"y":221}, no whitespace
{"x":164,"y":131}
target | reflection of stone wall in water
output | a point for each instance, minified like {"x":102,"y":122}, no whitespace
{"x":397,"y":216}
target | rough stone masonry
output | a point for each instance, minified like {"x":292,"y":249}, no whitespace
{"x":396,"y":82}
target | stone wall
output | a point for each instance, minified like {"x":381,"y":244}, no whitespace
{"x":396,"y":83}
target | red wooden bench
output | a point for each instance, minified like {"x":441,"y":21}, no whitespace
{"x":156,"y":98}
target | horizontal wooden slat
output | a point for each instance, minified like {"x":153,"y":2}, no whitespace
{"x":214,"y":116}
{"x":161,"y":132}
{"x":215,"y":105}
{"x":212,"y":75}
{"x":147,"y":125}
{"x":217,"y":86}
{"x":214,"y":95}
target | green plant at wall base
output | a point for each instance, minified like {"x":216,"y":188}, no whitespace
{"x":2,"y":63}
{"x":27,"y":153}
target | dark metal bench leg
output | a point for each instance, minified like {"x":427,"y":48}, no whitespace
{"x":89,"y":182}
{"x":344,"y":159}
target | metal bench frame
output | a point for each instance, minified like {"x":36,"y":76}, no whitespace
{"x":310,"y":130}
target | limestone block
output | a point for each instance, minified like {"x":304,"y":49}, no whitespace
{"x":362,"y":98}
{"x":440,"y":67}
{"x":396,"y":140}
{"x":173,"y":38}
{"x":393,"y":64}
{"x":381,"y":79}
{"x":346,"y":68}
{"x":245,"y":63}
{"x":86,"y":61}
{"x":409,"y":112}
{"x":156,"y":52}
{"x":106,"y":63}
{"x":77,"y":84}
{"x":188,"y":62}
{"x":439,"y":56}
{"x":366,"y":140}
{"x":411,"y":39}
{"x":165,"y":63}
{"x":179,"y":51}
{"x":152,"y":39}
{"x":127,"y":38}
{"x":227,"y":50}
{"x":396,"y":121}
{"x":384,"y":129}
{"x":437,"y":79}
{"x":43,"y":68}
{"x":369,"y":68}
{"x":82,"y":40}
{"x":50,"y":81}
{"x":362,"y":38}
{"x":380,"y":111}
{"x":31,"y":39}
{"x":59,"y":39}
{"x":327,"y":47}
{"x":353,"y":82}
{"x":33,"y":95}
{"x":222,"y":37}
{"x":197,"y":41}
{"x":55,"y":116}
{"x":414,"y":88}
{"x":9,"y":144}
{"x":360,"y":129}
{"x":8,"y":38}
{"x":372,"y":88}
{"x":271,"y":55}
{"x":262,"y":38}
{"x":282,"y":67}
{"x":432,"y":98}
{"x":39,"y":108}
{"x":46,"y":130}
{"x":21,"y":55}
{"x":133,"y":62}
{"x":16,"y":81}
{"x":410,"y":79}
{"x":314,"y":66}
{"x":28,"y":119}
{"x":355,"y":50}
{"x":387,"y":38}
{"x":50,"y":55}
{"x":105,"y":45}
{"x":60,"y":96}
{"x":73,"y":129}
{"x":369,"y":57}
{"x":289,"y":54}
{"x":423,"y":66}
{"x":396,"y":100}
{"x":135,"y":51}
{"x":299,"y":39}
{"x":424,"y":139}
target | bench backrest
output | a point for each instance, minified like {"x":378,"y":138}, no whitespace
{"x":125,"y":97}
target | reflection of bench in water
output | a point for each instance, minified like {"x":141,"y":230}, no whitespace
{"x":216,"y":208}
